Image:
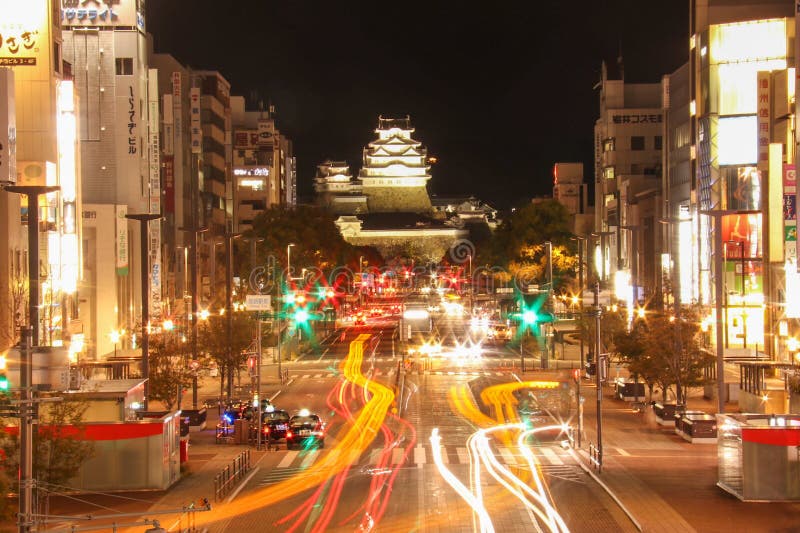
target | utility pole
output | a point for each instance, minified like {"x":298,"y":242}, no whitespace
{"x":143,"y":219}
{"x":30,"y":338}
{"x":229,"y":236}
{"x":597,"y":375}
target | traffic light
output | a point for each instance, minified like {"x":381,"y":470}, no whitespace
{"x":529,"y":316}
{"x":251,"y":365}
{"x":4,"y":384}
{"x":576,"y":375}
{"x":301,"y":316}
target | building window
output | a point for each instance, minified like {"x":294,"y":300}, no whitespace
{"x":657,"y":142}
{"x":124,"y":66}
{"x":608,"y":173}
{"x":608,"y":145}
{"x":637,"y":143}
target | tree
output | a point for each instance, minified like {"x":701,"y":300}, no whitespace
{"x":169,"y":369}
{"x":519,"y":244}
{"x":666,"y":351}
{"x":58,"y":449}
{"x":213,"y":339}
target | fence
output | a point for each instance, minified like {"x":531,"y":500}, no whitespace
{"x":231,"y":475}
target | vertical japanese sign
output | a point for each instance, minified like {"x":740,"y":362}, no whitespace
{"x":8,"y":128}
{"x":128,"y":122}
{"x":155,"y":193}
{"x":266,"y":130}
{"x":122,"y":240}
{"x":790,"y":212}
{"x":194,"y":112}
{"x":763,"y":111}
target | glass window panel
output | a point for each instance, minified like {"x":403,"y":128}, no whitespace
{"x":763,"y":39}
{"x":737,"y":140}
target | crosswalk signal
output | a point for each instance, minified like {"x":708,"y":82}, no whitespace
{"x":529,"y":316}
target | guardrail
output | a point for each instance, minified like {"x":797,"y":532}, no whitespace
{"x":231,"y":474}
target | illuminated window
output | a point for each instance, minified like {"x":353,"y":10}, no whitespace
{"x":637,"y":143}
{"x":608,"y":145}
{"x":737,"y":140}
{"x":608,"y":173}
{"x":124,"y":66}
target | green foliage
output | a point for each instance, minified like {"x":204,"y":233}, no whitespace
{"x":519,"y":244}
{"x":666,"y":351}
{"x":318,"y":241}
{"x":169,"y":368}
{"x":58,"y":451}
{"x":227,"y":353}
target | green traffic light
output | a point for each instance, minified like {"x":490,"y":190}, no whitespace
{"x":301,"y":316}
{"x":4,"y":385}
{"x":529,"y":317}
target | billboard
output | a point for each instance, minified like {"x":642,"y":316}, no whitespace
{"x":25,"y":34}
{"x":744,"y":229}
{"x":102,"y":13}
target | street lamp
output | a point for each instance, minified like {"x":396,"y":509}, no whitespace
{"x":115,"y":336}
{"x":143,"y":219}
{"x":194,"y":231}
{"x":289,"y":260}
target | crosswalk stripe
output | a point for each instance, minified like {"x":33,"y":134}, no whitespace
{"x":508,"y":457}
{"x":419,"y":455}
{"x":306,"y":376}
{"x":463,"y":455}
{"x":309,"y":459}
{"x":551,"y":456}
{"x":286,"y":461}
{"x":397,"y":456}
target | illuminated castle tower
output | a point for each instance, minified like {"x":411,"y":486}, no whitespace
{"x":394,"y":175}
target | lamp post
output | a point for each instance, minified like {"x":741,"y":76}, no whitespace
{"x":194,"y":231}
{"x":288,"y":274}
{"x":601,"y":237}
{"x":115,"y":336}
{"x":30,"y":338}
{"x":143,"y":219}
{"x":229,"y":303}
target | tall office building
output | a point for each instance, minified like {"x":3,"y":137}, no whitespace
{"x":628,"y":143}
{"x":742,"y":84}
{"x":39,"y":147}
{"x":106,"y":45}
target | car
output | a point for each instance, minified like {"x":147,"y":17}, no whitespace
{"x":359,"y":320}
{"x":499,"y":333}
{"x":274,"y":423}
{"x":305,"y":429}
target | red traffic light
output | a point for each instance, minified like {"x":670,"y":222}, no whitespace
{"x":576,"y":374}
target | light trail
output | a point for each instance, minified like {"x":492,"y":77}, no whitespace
{"x":471,"y":499}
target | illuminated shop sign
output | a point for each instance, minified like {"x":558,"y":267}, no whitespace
{"x":251,"y":171}
{"x":101,"y":13}
{"x":637,"y":119}
{"x":743,"y":229}
{"x":24,"y":33}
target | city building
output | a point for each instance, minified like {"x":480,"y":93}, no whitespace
{"x":571,"y":191}
{"x":742,"y":82}
{"x":462,"y":210}
{"x":628,"y":146}
{"x":39,"y":138}
{"x":263,"y":165}
{"x":120,"y":168}
{"x":679,"y":264}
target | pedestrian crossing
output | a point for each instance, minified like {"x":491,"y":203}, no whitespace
{"x":553,"y":461}
{"x":335,"y":362}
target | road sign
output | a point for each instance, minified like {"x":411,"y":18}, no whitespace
{"x":258,"y":302}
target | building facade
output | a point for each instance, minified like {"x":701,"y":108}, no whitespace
{"x":39,"y":138}
{"x":628,"y":145}
{"x":106,"y":46}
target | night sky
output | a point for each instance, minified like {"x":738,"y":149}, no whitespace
{"x":497,"y":93}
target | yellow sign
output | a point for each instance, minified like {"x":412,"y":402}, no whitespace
{"x":23,"y":33}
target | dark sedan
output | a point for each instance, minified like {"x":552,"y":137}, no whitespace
{"x":305,"y":429}
{"x":275,"y":422}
